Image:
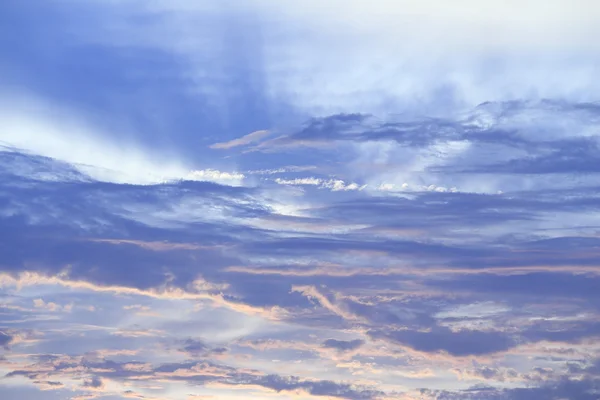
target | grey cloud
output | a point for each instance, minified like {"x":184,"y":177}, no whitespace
{"x":564,"y":388}
{"x":194,"y":346}
{"x":501,"y":123}
{"x":590,"y":368}
{"x":343,"y":345}
{"x":192,"y":372}
{"x":559,"y":284}
{"x":5,"y":339}
{"x":461,"y":343}
{"x":93,"y":383}
{"x":495,"y":373}
{"x":197,"y":348}
{"x":566,"y":156}
{"x":318,"y":388}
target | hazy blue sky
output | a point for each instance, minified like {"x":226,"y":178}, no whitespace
{"x":364,"y":200}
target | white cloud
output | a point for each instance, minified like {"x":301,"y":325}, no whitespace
{"x":300,"y":181}
{"x":213,"y":175}
{"x":335,"y":185}
{"x":50,"y":306}
{"x":35,"y":127}
{"x":273,"y":171}
{"x":399,"y":55}
{"x":383,"y":55}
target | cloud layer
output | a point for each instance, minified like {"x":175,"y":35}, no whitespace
{"x":393,"y":200}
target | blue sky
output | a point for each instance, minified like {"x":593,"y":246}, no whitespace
{"x":324,"y":200}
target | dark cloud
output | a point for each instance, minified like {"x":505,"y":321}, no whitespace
{"x":435,"y":210}
{"x":219,"y":350}
{"x":495,"y":373}
{"x":505,"y":124}
{"x":560,"y":284}
{"x":343,"y":345}
{"x":94,"y":383}
{"x":5,"y":339}
{"x":566,"y":156}
{"x":563,"y":389}
{"x":195,"y":347}
{"x":337,"y":244}
{"x":464,"y":342}
{"x":591,"y":368}
{"x":318,"y":388}
{"x":572,"y":332}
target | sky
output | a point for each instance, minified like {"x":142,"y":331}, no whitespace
{"x":363,"y":200}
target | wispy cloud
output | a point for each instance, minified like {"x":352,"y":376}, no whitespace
{"x":244,"y":140}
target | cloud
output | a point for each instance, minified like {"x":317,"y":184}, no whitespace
{"x":5,"y":339}
{"x":51,"y":306}
{"x":414,"y":214}
{"x":459,"y":343}
{"x":244,"y":140}
{"x":439,"y":57}
{"x":562,"y":388}
{"x":205,"y":372}
{"x":32,"y":126}
{"x":343,"y":345}
{"x":94,"y":384}
{"x":312,"y":292}
{"x":195,"y":347}
{"x":211,"y":175}
{"x":334,"y":185}
{"x":256,"y":69}
{"x":49,"y":385}
{"x":481,"y":150}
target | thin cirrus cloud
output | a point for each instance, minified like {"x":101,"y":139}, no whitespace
{"x":392,"y":200}
{"x":244,"y":140}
